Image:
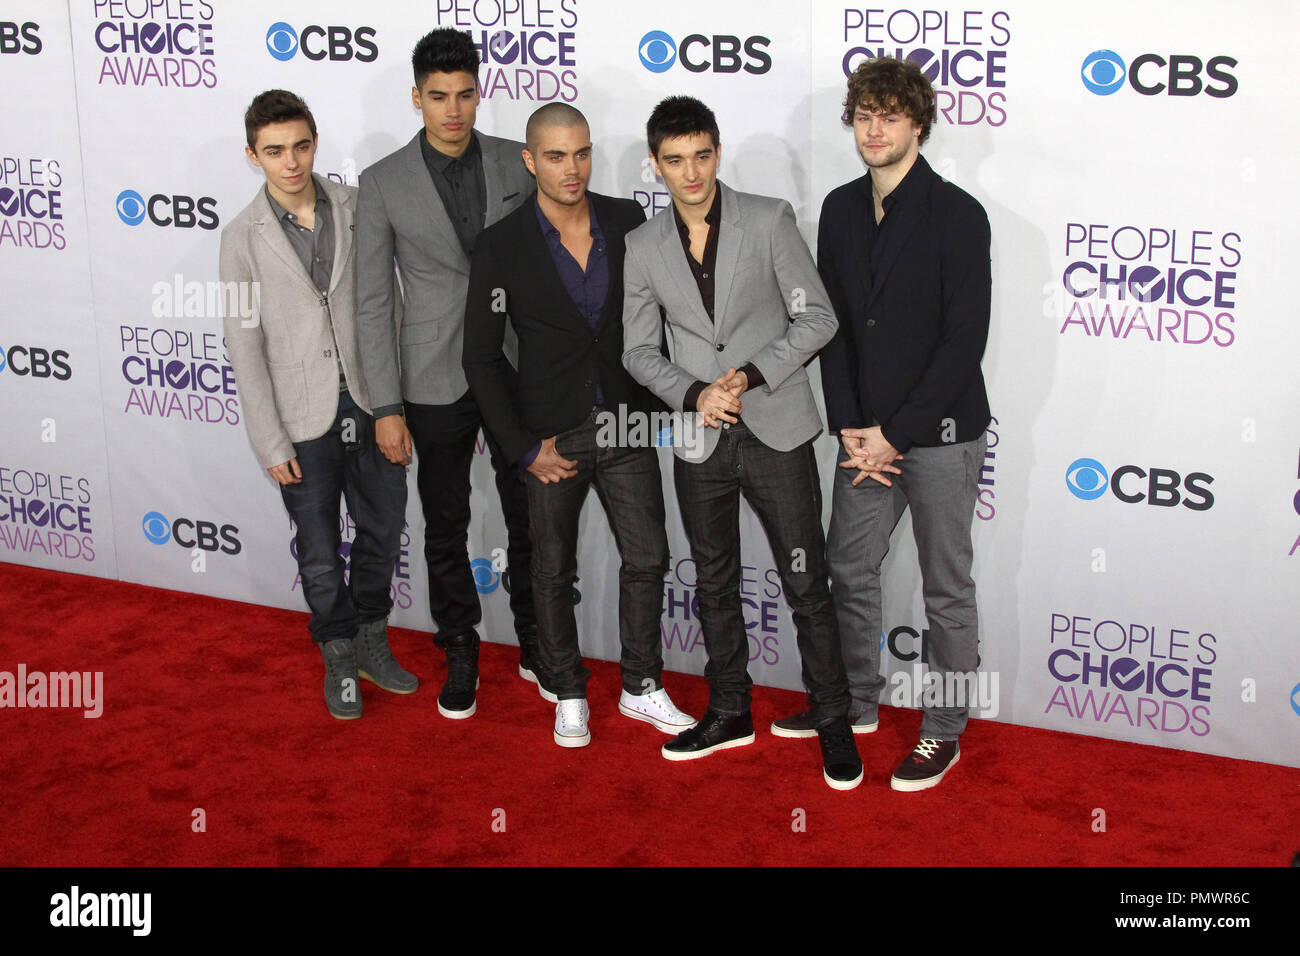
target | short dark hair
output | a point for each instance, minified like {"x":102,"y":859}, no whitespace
{"x":885,"y":84}
{"x":679,"y":116}
{"x":444,"y":51}
{"x":275,"y":106}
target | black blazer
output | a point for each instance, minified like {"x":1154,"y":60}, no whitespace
{"x":559,"y":356}
{"x":908,"y":348}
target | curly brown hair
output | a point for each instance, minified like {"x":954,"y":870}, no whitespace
{"x":893,"y":86}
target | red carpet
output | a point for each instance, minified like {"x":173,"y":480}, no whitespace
{"x":217,"y":706}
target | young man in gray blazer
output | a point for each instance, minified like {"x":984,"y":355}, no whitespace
{"x":304,"y":395}
{"x":422,"y":208}
{"x":745,"y":311}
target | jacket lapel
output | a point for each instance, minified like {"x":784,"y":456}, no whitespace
{"x":904,"y":218}
{"x":344,"y":218}
{"x":724,"y":268}
{"x":428,"y":204}
{"x":674,"y":262}
{"x":271,"y":232}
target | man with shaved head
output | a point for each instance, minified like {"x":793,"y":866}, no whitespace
{"x":554,"y":269}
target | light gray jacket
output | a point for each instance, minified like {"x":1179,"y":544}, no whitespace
{"x":283,"y":354}
{"x":415,"y":353}
{"x":770,"y":308}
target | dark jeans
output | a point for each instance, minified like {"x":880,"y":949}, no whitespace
{"x":628,"y":484}
{"x":783,"y":490}
{"x":444,"y":437}
{"x":346,"y":460}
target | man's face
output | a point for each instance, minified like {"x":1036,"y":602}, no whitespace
{"x":689,"y":167}
{"x":448,"y":102}
{"x":285,"y":152}
{"x":885,"y":139}
{"x":562,"y":163}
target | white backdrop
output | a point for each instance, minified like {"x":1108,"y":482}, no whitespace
{"x":1138,"y":531}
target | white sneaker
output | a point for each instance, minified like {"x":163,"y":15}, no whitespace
{"x":656,"y":708}
{"x":571,"y":723}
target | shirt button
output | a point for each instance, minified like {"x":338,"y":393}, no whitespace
{"x":706,"y":275}
{"x":726,"y":424}
{"x":327,"y":353}
{"x":870,"y":322}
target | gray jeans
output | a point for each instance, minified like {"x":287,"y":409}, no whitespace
{"x":939,"y":484}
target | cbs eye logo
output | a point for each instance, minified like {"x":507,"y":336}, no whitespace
{"x":1103,"y":72}
{"x":1087,"y":478}
{"x":658,"y":51}
{"x":486,"y":577}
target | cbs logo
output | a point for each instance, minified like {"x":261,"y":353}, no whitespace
{"x":340,"y":43}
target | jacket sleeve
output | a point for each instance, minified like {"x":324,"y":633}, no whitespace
{"x":839,"y":359}
{"x":812,"y":323}
{"x":643,"y":336}
{"x":487,"y":370}
{"x":377,"y":327}
{"x":246,"y":348}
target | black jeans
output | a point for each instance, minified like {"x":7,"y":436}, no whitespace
{"x":444,"y":437}
{"x":346,"y":460}
{"x":628,"y":484}
{"x":783,"y":490}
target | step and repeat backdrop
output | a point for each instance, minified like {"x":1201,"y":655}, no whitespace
{"x":1138,"y":525}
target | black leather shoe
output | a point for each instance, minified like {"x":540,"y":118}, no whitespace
{"x":714,"y":732}
{"x":841,"y":765}
{"x":456,"y":700}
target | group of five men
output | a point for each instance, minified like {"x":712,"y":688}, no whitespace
{"x":474,"y":281}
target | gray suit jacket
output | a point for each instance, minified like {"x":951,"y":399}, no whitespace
{"x":415,"y":353}
{"x":770,"y":308}
{"x":283,"y":354}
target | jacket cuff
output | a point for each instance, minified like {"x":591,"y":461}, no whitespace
{"x":693,"y":396}
{"x":896,"y":438}
{"x":753,"y":374}
{"x":383,"y":410}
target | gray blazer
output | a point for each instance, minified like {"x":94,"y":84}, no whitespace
{"x":415,"y":353}
{"x":283,"y":354}
{"x":770,"y":308}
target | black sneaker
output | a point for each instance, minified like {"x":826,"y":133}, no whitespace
{"x":375,"y":661}
{"x":714,"y":732}
{"x":530,"y":666}
{"x":841,"y":765}
{"x":802,"y":724}
{"x":342,"y":692}
{"x":925,"y":766}
{"x":456,"y":700}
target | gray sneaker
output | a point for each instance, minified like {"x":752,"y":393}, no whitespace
{"x":375,"y":661}
{"x":801,"y":725}
{"x":342,"y":692}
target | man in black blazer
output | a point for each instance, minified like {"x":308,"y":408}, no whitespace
{"x":905,"y":259}
{"x":554,"y":269}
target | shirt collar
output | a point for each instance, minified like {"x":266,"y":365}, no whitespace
{"x":444,"y":163}
{"x":712,"y":217}
{"x":910,"y":185}
{"x":281,"y":213}
{"x":550,"y":232}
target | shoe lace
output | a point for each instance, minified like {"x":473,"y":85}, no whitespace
{"x":927,"y":747}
